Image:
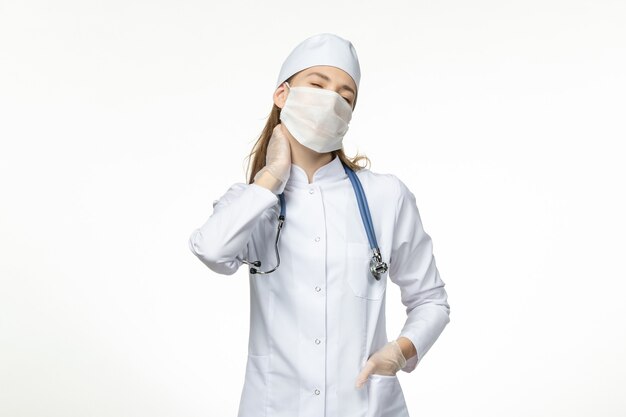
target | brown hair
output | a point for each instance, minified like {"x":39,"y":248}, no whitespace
{"x":259,"y":150}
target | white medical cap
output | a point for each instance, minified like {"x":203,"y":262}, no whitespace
{"x":322,"y":49}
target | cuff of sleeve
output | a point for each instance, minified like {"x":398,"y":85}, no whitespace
{"x":264,"y":193}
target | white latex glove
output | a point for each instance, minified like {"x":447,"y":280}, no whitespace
{"x":386,"y":361}
{"x":277,"y":158}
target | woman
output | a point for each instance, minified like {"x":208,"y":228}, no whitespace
{"x":317,"y":343}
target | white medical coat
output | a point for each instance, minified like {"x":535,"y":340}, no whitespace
{"x":316,"y":320}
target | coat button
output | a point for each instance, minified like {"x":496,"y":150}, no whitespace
{"x":311,"y":191}
{"x":318,"y":289}
{"x":317,"y":392}
{"x":317,"y":341}
{"x":317,"y":238}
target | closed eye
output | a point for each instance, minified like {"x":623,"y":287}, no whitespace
{"x":347,"y":100}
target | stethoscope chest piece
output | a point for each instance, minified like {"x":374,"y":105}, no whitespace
{"x":377,"y":267}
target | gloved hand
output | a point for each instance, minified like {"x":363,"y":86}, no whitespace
{"x":277,"y":158}
{"x":386,"y":361}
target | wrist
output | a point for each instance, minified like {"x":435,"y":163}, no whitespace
{"x":407,"y":347}
{"x":267,"y":180}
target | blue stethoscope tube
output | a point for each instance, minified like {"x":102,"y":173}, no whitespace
{"x":377,"y":266}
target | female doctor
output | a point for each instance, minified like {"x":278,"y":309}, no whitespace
{"x":318,"y":345}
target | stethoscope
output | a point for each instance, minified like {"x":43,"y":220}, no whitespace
{"x":377,"y":266}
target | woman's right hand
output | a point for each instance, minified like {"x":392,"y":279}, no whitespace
{"x":277,"y":159}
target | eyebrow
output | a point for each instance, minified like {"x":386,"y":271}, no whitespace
{"x":325,"y":77}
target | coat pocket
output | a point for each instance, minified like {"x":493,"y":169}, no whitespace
{"x":253,"y":399}
{"x":385,"y":397}
{"x":359,"y":277}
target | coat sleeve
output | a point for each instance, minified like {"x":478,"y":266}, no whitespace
{"x":412,"y":267}
{"x":222,"y":240}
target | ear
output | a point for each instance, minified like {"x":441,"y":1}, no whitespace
{"x":280,"y":95}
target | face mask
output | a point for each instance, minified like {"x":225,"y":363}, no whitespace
{"x":316,"y":117}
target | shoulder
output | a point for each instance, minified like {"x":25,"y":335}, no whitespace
{"x":386,"y":184}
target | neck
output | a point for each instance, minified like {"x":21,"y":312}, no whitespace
{"x":306,"y":158}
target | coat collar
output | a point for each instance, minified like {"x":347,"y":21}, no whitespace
{"x":331,"y":172}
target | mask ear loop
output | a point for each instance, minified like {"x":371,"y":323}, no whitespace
{"x":288,"y":86}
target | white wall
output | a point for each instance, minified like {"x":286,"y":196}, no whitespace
{"x":121,"y":121}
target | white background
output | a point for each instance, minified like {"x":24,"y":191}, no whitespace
{"x":121,"y":122}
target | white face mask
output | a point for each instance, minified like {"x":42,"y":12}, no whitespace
{"x":316,"y":117}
